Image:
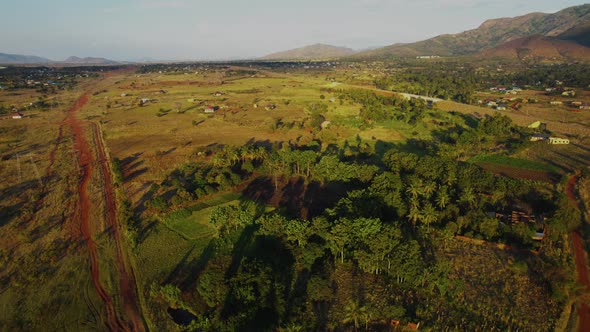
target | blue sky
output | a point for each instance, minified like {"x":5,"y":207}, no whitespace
{"x":224,"y":29}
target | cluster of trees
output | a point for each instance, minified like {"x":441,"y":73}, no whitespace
{"x":570,"y":75}
{"x":376,"y":108}
{"x":190,"y":182}
{"x":494,"y":133}
{"x":446,"y":81}
{"x":271,"y":270}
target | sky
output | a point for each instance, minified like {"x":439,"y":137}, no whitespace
{"x":231,"y":29}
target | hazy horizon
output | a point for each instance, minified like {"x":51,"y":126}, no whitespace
{"x":198,"y":30}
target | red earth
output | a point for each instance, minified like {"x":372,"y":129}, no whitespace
{"x":86,"y":162}
{"x":580,"y":259}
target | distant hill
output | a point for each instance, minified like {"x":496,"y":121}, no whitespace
{"x":493,"y":33}
{"x":317,"y":51}
{"x":9,"y":59}
{"x":89,"y":61}
{"x":540,"y":48}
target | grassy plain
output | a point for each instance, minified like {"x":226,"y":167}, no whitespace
{"x":45,"y":280}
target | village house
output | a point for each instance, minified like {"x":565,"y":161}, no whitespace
{"x":270,"y":107}
{"x":218,"y":94}
{"x":557,"y":140}
{"x":585,"y":107}
{"x":210,"y":109}
{"x":556,"y":102}
{"x":18,"y":115}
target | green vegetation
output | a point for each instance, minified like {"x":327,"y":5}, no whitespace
{"x":513,"y":162}
{"x":308,"y":200}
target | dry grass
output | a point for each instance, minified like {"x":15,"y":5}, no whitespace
{"x":44,"y":276}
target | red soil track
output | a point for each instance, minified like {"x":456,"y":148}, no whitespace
{"x":580,"y":259}
{"x":86,"y":161}
{"x":128,"y":290}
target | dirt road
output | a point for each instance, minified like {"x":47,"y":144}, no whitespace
{"x":580,"y":259}
{"x":127,"y":282}
{"x":85,"y":160}
{"x":88,"y":161}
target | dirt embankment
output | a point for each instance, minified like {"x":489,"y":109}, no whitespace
{"x":580,"y":260}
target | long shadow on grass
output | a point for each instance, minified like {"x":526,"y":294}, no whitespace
{"x":265,"y":265}
{"x":193,"y":270}
{"x":172,"y":276}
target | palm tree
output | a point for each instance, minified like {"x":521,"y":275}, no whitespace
{"x":414,"y":215}
{"x":231,"y":154}
{"x":442,"y":198}
{"x":260,"y":153}
{"x":414,"y":190}
{"x":468,"y":197}
{"x":414,"y":203}
{"x":429,"y":215}
{"x":291,"y":328}
{"x":428,"y":189}
{"x":219,"y":160}
{"x":366,"y":316}
{"x":353,"y":313}
{"x":451,"y":178}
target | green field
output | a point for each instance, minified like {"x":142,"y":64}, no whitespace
{"x":193,"y":222}
{"x":514,"y":162}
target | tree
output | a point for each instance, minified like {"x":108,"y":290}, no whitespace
{"x":353,"y":312}
{"x":428,"y":189}
{"x":338,"y":237}
{"x":414,"y":215}
{"x":468,"y":197}
{"x":414,"y":190}
{"x":297,"y":231}
{"x":442,"y":198}
{"x":429,"y":214}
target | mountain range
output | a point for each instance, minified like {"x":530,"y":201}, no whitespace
{"x":571,"y":23}
{"x":538,"y":47}
{"x":316,"y":51}
{"x":10,"y":59}
{"x":565,"y":36}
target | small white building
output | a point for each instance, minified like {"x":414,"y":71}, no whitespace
{"x":557,"y":140}
{"x":209,"y":109}
{"x":18,"y":116}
